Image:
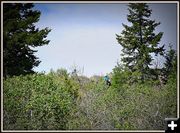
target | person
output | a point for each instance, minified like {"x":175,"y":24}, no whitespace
{"x":107,"y":80}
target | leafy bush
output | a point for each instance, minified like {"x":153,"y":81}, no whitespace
{"x":140,"y":105}
{"x":62,"y":78}
{"x":35,"y":102}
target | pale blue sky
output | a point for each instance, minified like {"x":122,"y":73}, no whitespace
{"x":84,"y":34}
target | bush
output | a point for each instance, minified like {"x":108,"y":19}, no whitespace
{"x":140,"y":105}
{"x":35,"y":102}
{"x":62,"y":78}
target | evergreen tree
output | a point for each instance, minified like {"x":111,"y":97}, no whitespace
{"x":139,"y":40}
{"x":20,"y":36}
{"x":170,"y":65}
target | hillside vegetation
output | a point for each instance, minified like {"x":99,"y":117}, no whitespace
{"x":59,"y":100}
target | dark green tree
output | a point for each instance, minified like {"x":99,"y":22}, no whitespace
{"x":170,"y":65}
{"x":139,"y":41}
{"x":20,"y":37}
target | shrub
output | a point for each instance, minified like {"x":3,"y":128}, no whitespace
{"x":35,"y":102}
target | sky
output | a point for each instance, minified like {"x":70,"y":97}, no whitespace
{"x":84,"y":35}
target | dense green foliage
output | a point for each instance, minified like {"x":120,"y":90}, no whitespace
{"x":139,"y":40}
{"x":20,"y":36}
{"x":36,"y":102}
{"x":60,"y":101}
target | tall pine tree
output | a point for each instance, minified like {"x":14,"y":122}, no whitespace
{"x":20,"y":36}
{"x":139,"y":40}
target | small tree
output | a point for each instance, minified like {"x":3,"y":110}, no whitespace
{"x":139,"y":40}
{"x":19,"y":37}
